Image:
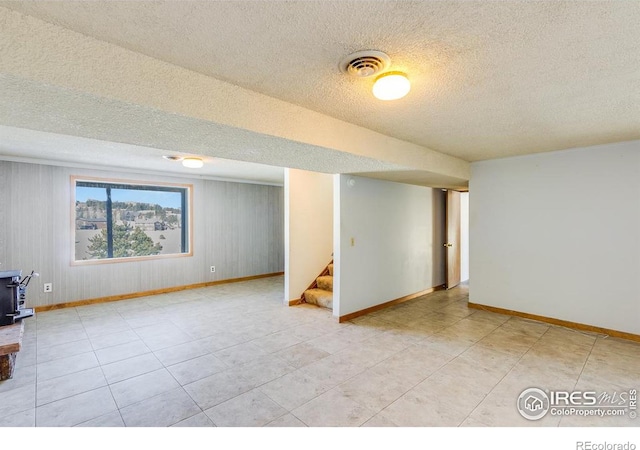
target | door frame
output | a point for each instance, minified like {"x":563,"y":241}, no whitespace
{"x":453,"y":239}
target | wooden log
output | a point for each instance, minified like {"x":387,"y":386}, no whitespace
{"x":10,"y":343}
{"x":7,"y":365}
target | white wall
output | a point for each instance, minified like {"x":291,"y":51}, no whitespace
{"x":464,"y":236}
{"x":308,"y":228}
{"x":558,"y":235}
{"x":397,"y":231}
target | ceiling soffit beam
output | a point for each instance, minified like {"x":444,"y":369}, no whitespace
{"x":51,"y":55}
{"x":37,"y":106}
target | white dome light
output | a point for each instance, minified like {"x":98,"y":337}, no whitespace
{"x":192,"y":163}
{"x":391,"y":86}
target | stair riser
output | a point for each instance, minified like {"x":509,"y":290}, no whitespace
{"x":326,"y":303}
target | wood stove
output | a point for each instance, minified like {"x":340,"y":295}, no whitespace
{"x":13,"y":294}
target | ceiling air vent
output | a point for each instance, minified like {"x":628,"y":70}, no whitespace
{"x":365,"y":63}
{"x":172,"y":157}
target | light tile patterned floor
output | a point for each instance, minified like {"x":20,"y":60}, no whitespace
{"x":232,"y":355}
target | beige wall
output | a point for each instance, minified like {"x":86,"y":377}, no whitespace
{"x":308,"y":228}
{"x":238,"y":227}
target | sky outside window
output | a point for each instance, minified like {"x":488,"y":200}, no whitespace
{"x":164,"y":199}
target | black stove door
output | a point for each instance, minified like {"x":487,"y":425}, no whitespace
{"x":8,"y":299}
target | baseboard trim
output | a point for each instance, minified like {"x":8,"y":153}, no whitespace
{"x":375,"y":308}
{"x":115,"y":298}
{"x":295,"y":301}
{"x":559,"y":322}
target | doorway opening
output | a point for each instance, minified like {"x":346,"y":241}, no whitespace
{"x":457,"y":239}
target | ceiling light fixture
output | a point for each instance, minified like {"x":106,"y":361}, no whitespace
{"x":366,"y":63}
{"x":391,"y":86}
{"x":192,"y":163}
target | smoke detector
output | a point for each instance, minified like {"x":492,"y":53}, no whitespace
{"x":365,"y":63}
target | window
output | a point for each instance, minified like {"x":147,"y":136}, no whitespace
{"x":115,"y":220}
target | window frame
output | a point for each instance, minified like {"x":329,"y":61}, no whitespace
{"x":125,"y":183}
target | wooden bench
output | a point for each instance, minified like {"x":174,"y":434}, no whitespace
{"x":10,"y":343}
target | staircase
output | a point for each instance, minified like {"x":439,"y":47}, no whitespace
{"x":321,"y":290}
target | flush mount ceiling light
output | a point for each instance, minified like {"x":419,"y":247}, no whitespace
{"x":366,"y":63}
{"x":192,"y":163}
{"x":391,"y":86}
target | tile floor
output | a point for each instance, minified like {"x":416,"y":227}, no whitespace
{"x":232,"y":355}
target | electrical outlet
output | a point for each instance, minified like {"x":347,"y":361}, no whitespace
{"x":213,"y":269}
{"x":48,"y":287}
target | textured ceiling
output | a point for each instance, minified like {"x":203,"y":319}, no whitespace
{"x":490,"y":79}
{"x":49,"y":124}
{"x":18,"y":144}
